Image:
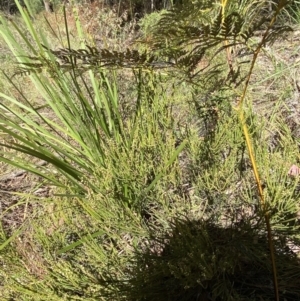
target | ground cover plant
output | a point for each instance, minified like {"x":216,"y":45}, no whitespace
{"x":156,"y":170}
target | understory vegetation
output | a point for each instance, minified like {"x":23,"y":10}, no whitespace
{"x":150,"y":159}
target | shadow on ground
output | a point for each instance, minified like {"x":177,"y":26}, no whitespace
{"x":199,"y":261}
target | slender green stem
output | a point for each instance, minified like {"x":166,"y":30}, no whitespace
{"x":252,"y":155}
{"x":262,"y":201}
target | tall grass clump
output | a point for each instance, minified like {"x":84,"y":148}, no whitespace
{"x":164,"y":181}
{"x":82,"y":140}
{"x":83,"y":125}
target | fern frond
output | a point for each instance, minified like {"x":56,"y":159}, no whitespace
{"x":190,"y":31}
{"x":81,"y":60}
{"x":276,"y":33}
